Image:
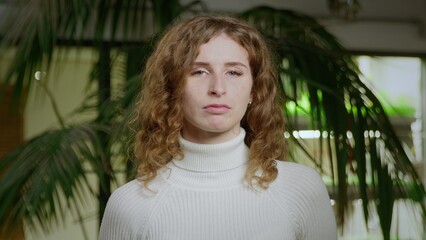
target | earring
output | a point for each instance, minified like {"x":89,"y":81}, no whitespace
{"x":249,"y":103}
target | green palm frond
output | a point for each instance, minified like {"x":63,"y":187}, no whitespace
{"x":34,"y":177}
{"x":40,"y":26}
{"x":37,"y":27}
{"x":46,"y":177}
{"x":314,"y":64}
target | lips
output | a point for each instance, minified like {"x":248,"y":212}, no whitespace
{"x":217,"y":108}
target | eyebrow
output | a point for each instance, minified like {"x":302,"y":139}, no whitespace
{"x":228,"y":64}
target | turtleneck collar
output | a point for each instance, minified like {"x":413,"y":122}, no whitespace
{"x":213,"y":157}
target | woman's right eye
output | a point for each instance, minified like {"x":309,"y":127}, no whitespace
{"x":198,"y":73}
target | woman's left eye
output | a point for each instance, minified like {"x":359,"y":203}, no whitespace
{"x":234,"y":73}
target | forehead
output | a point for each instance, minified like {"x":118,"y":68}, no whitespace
{"x":224,"y":47}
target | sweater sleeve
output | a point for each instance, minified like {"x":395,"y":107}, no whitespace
{"x":116,"y":222}
{"x":128,"y":212}
{"x":304,"y":195}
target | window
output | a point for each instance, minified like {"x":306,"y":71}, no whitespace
{"x":397,"y":83}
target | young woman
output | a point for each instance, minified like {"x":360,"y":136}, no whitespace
{"x":210,"y":146}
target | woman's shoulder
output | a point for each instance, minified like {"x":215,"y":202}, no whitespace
{"x":129,"y":209}
{"x":301,"y":191}
{"x":129,"y":187}
{"x":134,"y":198}
{"x":290,"y":170}
{"x":298,"y":179}
{"x":134,"y":191}
{"x":122,"y":198}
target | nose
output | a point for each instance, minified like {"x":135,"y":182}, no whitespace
{"x":217,"y":87}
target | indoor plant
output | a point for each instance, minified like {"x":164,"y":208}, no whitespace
{"x":312,"y":64}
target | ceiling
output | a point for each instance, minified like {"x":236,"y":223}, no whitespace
{"x":381,"y":26}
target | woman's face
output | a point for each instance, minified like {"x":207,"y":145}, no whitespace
{"x":216,"y":92}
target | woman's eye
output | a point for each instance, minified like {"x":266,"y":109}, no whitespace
{"x":198,"y":73}
{"x":234,"y":73}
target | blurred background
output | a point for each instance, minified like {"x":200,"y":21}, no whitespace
{"x":353,"y":73}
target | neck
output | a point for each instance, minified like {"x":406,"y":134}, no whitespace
{"x":209,"y":166}
{"x":194,"y":135}
{"x":213,"y":157}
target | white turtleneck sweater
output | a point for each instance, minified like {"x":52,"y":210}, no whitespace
{"x":204,"y":196}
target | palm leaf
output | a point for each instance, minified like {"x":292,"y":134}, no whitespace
{"x":38,"y":25}
{"x":315,"y":64}
{"x":35,"y":177}
{"x":46,"y":177}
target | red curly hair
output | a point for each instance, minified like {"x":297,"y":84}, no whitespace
{"x":159,"y":111}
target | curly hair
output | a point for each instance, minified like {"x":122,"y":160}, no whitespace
{"x":159,"y":111}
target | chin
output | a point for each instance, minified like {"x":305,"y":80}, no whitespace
{"x":223,"y":129}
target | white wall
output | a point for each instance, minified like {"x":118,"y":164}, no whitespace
{"x":68,"y":80}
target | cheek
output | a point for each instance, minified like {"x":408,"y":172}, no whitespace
{"x":186,"y":94}
{"x":188,"y":102}
{"x":187,"y":98}
{"x":246,"y":90}
{"x":244,"y":96}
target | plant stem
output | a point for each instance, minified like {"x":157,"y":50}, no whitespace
{"x":53,"y":102}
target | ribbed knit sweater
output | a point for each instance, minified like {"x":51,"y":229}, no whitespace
{"x":204,"y":196}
